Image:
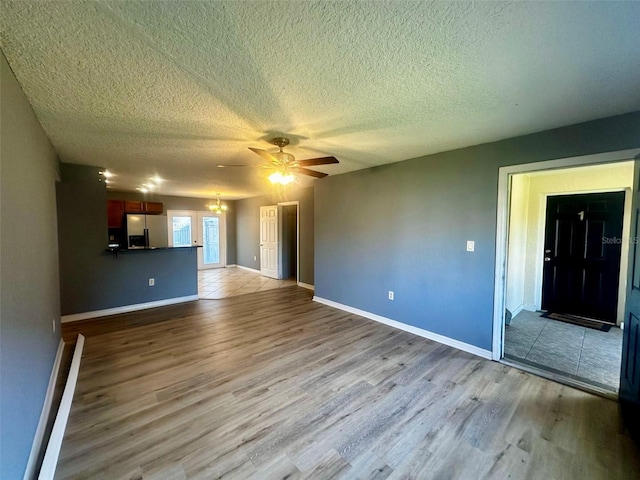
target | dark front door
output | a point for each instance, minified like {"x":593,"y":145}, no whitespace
{"x":583,"y":241}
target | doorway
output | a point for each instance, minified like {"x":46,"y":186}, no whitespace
{"x":280,"y":240}
{"x":289,"y":234}
{"x":519,"y":289}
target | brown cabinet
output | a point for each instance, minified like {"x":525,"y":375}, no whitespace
{"x":115,"y":213}
{"x":149,"y":208}
{"x":152,"y":208}
{"x":131,"y":206}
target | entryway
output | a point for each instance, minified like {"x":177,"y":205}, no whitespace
{"x":567,"y":229}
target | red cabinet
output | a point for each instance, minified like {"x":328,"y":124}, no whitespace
{"x":152,"y":208}
{"x":149,"y":208}
{"x":115,"y":213}
{"x":131,"y":206}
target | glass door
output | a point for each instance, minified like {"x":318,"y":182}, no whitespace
{"x":211,"y":235}
{"x":182,"y":226}
{"x":188,"y":228}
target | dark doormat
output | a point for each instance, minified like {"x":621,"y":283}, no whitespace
{"x":575,"y":320}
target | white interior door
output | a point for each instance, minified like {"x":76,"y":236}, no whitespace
{"x":211,"y":235}
{"x":269,"y":241}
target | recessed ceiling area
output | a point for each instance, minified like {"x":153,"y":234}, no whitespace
{"x":173,"y":88}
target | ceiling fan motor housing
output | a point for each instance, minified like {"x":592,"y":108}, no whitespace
{"x":280,"y":141}
{"x":284,"y":157}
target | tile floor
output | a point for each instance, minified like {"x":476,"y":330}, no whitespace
{"x":581,"y":353}
{"x":229,"y":282}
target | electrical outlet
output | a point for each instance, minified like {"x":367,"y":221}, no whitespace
{"x":255,"y":259}
{"x":391,"y":295}
{"x":152,"y":282}
{"x":471,"y":246}
{"x":53,"y":322}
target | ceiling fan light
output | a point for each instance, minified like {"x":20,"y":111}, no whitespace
{"x":278,"y":177}
{"x":275,"y":177}
{"x":287,"y":179}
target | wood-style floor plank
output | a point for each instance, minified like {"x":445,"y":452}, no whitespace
{"x":273,"y":385}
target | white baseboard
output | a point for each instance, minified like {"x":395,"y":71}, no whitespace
{"x":38,"y":438}
{"x":232,"y":265}
{"x":248,"y":269}
{"x":529,"y":308}
{"x":306,"y":285}
{"x":126,"y":308}
{"x":52,"y":453}
{"x":409,"y":328}
{"x":516,"y":311}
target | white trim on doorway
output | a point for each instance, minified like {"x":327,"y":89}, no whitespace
{"x":502,"y":225}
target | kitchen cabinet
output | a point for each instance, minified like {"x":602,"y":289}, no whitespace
{"x":152,"y":208}
{"x":149,"y":208}
{"x":115,"y":213}
{"x":131,"y":206}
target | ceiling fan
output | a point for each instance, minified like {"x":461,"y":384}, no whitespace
{"x":285,"y":164}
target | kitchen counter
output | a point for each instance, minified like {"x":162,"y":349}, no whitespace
{"x":146,"y":249}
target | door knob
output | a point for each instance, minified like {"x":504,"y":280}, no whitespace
{"x":547,"y":259}
{"x":547,"y":251}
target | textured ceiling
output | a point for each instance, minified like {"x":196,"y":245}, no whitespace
{"x":173,"y":88}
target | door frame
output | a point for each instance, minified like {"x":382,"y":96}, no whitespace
{"x":502,"y":226}
{"x":280,"y":205}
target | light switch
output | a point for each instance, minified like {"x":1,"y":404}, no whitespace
{"x":471,"y":246}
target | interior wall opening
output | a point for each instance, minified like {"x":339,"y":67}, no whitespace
{"x":563,"y":227}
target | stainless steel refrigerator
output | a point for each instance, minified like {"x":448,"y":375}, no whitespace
{"x":147,"y":231}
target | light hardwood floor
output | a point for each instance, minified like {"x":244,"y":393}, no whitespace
{"x":273,"y":385}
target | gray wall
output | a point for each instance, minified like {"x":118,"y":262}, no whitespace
{"x":248,"y":228}
{"x":29,"y":298}
{"x":188,"y":203}
{"x":92,"y":279}
{"x":404,"y":227}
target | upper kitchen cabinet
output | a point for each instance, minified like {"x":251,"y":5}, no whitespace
{"x":149,"y":208}
{"x":152,"y":208}
{"x":131,"y":206}
{"x":115,"y":213}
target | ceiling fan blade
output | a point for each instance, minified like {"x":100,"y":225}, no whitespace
{"x":266,"y":155}
{"x":317,"y":161}
{"x":311,"y":173}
